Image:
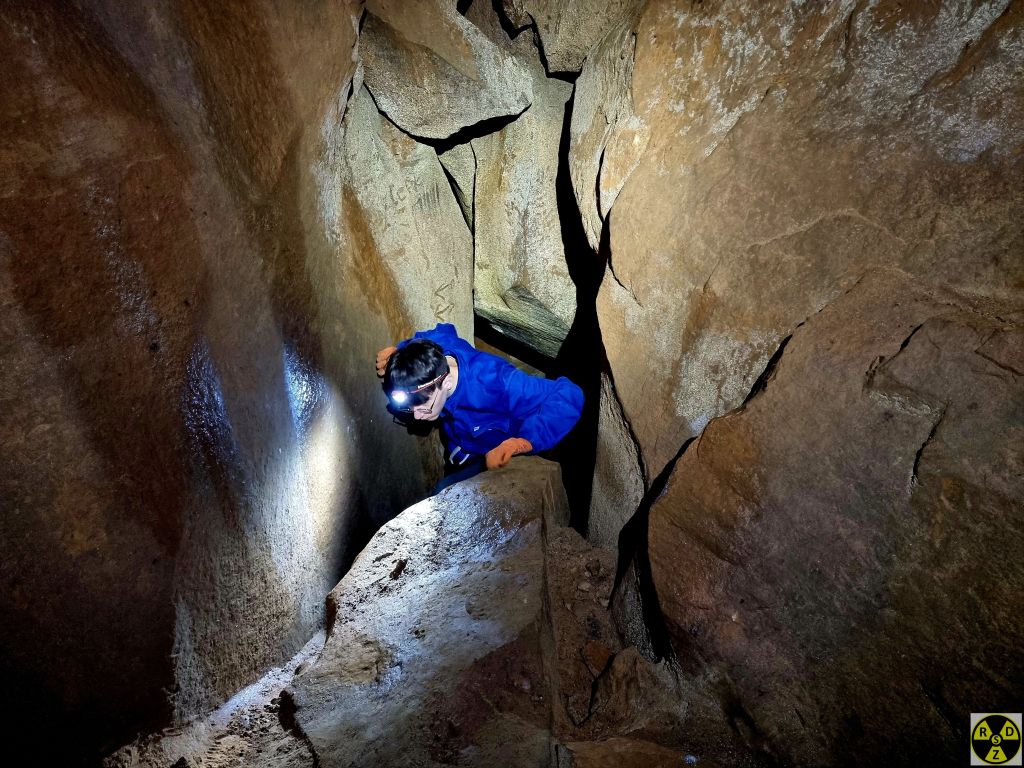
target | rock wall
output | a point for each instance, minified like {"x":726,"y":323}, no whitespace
{"x":815,"y":226}
{"x":192,"y":293}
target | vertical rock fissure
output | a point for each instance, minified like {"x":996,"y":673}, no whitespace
{"x":634,"y":552}
{"x":581,"y":357}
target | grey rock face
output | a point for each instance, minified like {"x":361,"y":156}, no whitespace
{"x":415,"y":223}
{"x":569,"y":29}
{"x":433,"y":73}
{"x":522,"y":281}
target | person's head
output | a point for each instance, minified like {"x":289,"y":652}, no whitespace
{"x":417,"y":381}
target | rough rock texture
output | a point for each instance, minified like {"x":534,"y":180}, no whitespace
{"x":792,"y":147}
{"x":522,"y":283}
{"x":245,"y":731}
{"x":187,"y":433}
{"x":414,"y":220}
{"x":606,"y":139}
{"x":618,"y":476}
{"x":842,"y":546}
{"x":459,"y":163}
{"x":568,"y":29}
{"x":433,"y":73}
{"x":473,"y":630}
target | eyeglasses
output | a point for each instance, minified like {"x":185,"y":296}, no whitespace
{"x":400,"y":398}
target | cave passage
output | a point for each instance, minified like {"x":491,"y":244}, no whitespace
{"x":777,"y":244}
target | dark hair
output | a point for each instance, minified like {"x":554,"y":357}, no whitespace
{"x":415,"y":364}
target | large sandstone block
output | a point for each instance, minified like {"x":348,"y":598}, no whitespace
{"x":785,"y":150}
{"x":568,"y":29}
{"x":522,"y":283}
{"x":420,"y":238}
{"x":433,"y":73}
{"x":435,"y":650}
{"x":842,"y":546}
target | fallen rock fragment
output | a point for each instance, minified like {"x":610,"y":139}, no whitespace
{"x":433,"y":73}
{"x":568,"y":29}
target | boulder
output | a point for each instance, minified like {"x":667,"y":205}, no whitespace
{"x":433,"y":73}
{"x":785,"y":156}
{"x":568,"y":29}
{"x":428,"y":657}
{"x":474,"y":629}
{"x":521,"y":279}
{"x":838,"y":548}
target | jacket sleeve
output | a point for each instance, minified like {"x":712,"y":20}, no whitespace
{"x":548,"y":409}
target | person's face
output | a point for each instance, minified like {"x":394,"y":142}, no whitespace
{"x":430,"y":410}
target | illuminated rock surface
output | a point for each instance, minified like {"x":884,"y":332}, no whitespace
{"x":473,"y":631}
{"x":433,"y":73}
{"x":521,"y":280}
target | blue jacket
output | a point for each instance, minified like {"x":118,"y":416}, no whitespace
{"x":494,"y":401}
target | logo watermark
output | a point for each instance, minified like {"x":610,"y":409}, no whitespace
{"x":995,"y":738}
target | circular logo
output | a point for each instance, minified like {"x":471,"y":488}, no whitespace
{"x":995,"y":739}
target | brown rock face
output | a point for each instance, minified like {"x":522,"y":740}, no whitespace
{"x":836,"y":546}
{"x":785,"y":153}
{"x":187,"y":432}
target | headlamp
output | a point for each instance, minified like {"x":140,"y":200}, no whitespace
{"x":400,"y":397}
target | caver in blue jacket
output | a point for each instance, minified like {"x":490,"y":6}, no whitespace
{"x":495,"y":401}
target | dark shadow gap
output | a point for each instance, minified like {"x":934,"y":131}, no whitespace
{"x":581,"y":357}
{"x":633,"y":551}
{"x":486,"y":331}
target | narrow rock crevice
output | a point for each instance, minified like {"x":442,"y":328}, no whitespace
{"x":633,"y":552}
{"x":761,"y":382}
{"x":917,"y":456}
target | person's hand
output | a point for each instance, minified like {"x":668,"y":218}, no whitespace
{"x":382,"y":359}
{"x":499,"y":457}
